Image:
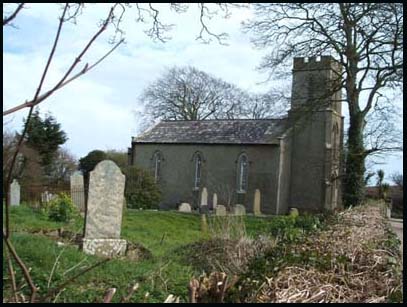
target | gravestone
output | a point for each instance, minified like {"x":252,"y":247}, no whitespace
{"x":15,"y":193}
{"x":214,"y":201}
{"x":77,"y":190}
{"x":47,"y":197}
{"x":184,"y":207}
{"x":220,"y":210}
{"x":203,"y":208}
{"x":104,"y":211}
{"x":256,"y":203}
{"x":239,"y":210}
{"x":204,"y":197}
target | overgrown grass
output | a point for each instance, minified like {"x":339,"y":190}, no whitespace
{"x":162,"y":233}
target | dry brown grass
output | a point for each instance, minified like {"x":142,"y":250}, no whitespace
{"x":368,"y":272}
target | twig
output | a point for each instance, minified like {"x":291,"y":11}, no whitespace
{"x":109,"y":295}
{"x":125,"y":299}
{"x":12,"y":16}
{"x":22,"y":266}
{"x":12,"y":276}
{"x":50,"y":92}
{"x":51,"y":292}
{"x":53,"y":268}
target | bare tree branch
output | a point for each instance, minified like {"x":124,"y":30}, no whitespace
{"x":7,"y":19}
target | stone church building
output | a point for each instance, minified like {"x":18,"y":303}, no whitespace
{"x":293,"y":161}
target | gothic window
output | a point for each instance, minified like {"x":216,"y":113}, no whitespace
{"x":198,"y":167}
{"x":157,"y":158}
{"x":242,"y":173}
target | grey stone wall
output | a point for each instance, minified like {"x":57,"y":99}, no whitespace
{"x":219,"y":171}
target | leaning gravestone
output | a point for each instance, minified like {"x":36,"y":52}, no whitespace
{"x":239,"y":210}
{"x":104,"y":211}
{"x":15,"y":193}
{"x":203,"y":208}
{"x":256,"y":204}
{"x":77,"y":190}
{"x":184,"y":207}
{"x":220,"y":210}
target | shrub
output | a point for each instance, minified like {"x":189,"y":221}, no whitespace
{"x":141,"y":191}
{"x":308,"y":222}
{"x":61,"y":208}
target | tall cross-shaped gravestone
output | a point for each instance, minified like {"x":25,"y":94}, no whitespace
{"x":104,"y":211}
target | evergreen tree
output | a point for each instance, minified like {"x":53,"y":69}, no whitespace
{"x":45,"y":136}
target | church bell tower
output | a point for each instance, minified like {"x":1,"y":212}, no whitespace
{"x":317,"y":134}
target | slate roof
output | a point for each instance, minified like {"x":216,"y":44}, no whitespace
{"x":237,"y":131}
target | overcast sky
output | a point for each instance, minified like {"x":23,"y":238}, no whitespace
{"x":97,"y":111}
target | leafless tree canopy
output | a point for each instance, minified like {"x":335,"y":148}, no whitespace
{"x":187,"y":93}
{"x":397,"y":178}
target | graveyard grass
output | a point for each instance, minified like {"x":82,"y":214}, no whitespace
{"x":163,"y":233}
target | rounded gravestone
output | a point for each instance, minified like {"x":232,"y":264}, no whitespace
{"x":104,"y":210}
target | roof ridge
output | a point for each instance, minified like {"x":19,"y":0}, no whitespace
{"x":223,"y":119}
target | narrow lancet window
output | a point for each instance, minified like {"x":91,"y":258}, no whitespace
{"x":242,"y":173}
{"x":198,"y":166}
{"x":157,"y":164}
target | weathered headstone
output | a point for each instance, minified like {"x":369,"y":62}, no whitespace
{"x":214,"y":201}
{"x":203,"y":208}
{"x":239,"y":210}
{"x":77,"y":190}
{"x":104,"y":211}
{"x":220,"y":210}
{"x":256,"y":203}
{"x":184,"y":207}
{"x":15,"y":193}
{"x":204,"y":197}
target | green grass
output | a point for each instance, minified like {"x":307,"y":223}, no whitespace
{"x":162,"y":233}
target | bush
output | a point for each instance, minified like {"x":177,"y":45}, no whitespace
{"x":61,"y":208}
{"x":141,"y":191}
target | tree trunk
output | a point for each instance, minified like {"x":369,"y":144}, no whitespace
{"x":354,"y":186}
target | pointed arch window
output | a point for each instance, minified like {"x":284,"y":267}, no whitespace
{"x":242,"y":173}
{"x":157,"y":158}
{"x":198,"y":168}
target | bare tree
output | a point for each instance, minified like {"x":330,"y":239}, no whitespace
{"x":272,"y":104}
{"x":366,"y":39}
{"x":63,"y":165}
{"x":397,"y":178}
{"x":187,"y":93}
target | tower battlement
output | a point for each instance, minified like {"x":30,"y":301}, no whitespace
{"x":315,"y":63}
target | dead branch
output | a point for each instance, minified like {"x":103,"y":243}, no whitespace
{"x":55,"y":290}
{"x":21,"y":264}
{"x":42,"y":97}
{"x":126,"y":298}
{"x":13,"y":15}
{"x":12,"y":276}
{"x":107,"y":298}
